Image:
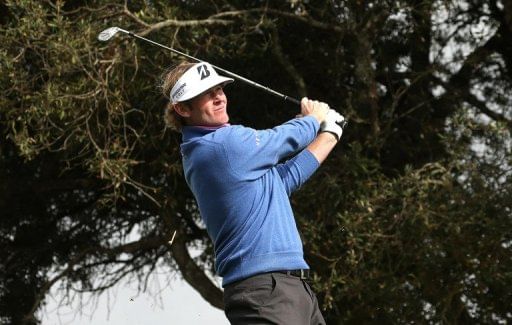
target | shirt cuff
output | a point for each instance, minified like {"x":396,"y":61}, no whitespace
{"x":307,"y":162}
{"x":314,"y":121}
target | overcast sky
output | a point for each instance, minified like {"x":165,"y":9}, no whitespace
{"x":179,"y":304}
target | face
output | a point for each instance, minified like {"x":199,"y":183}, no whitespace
{"x":207,"y":109}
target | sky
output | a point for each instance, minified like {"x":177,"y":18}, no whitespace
{"x":179,"y":304}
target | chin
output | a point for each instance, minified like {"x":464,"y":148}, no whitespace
{"x":223,"y":120}
{"x":218,"y":122}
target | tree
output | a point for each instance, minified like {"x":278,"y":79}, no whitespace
{"x":407,"y":221}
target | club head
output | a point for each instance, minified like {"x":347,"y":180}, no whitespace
{"x":108,"y":33}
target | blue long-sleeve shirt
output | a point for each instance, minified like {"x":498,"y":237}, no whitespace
{"x":241,"y":179}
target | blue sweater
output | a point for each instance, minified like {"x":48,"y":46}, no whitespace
{"x":242,"y":179}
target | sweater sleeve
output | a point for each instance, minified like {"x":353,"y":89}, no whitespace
{"x":297,"y":170}
{"x":251,"y":153}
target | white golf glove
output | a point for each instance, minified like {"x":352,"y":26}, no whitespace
{"x":332,"y":123}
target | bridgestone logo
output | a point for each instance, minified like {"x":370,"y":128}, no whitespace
{"x":179,"y":91}
{"x":203,"y":71}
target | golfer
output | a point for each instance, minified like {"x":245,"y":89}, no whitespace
{"x":242,"y":179}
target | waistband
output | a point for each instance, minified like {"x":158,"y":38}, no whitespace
{"x":301,"y":273}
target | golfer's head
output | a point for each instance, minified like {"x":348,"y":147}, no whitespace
{"x":196,"y":95}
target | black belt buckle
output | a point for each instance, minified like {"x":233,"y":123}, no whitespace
{"x":304,"y":274}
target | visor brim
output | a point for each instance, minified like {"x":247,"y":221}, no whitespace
{"x":204,"y":86}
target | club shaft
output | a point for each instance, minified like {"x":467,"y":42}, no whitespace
{"x":226,"y":72}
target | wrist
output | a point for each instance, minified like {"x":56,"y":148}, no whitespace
{"x":327,"y":134}
{"x":331,"y":125}
{"x":322,"y":146}
{"x":319,"y":117}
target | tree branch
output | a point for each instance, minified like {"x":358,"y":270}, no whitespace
{"x":507,"y":13}
{"x":184,"y":23}
{"x":288,"y":66}
{"x":191,"y":272}
{"x":458,"y":84}
{"x":149,"y":28}
{"x":301,"y":18}
{"x":134,"y":247}
{"x":365,"y":76}
{"x":482,"y":107}
{"x":129,"y":248}
{"x":29,"y":317}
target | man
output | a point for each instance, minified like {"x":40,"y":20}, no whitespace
{"x":242,"y":179}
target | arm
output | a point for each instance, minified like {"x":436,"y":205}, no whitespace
{"x":322,"y":145}
{"x":330,"y":134}
{"x":299,"y":169}
{"x":296,"y":171}
{"x":252,"y":153}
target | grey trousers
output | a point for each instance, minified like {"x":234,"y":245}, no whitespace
{"x":272,"y":298}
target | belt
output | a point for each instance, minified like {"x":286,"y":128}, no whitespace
{"x":302,"y":273}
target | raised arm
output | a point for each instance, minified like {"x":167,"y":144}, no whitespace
{"x":322,"y":145}
{"x":330,"y":130}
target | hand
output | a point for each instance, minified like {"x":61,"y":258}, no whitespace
{"x":331,"y":123}
{"x":314,"y":108}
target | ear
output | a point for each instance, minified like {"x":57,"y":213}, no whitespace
{"x":182,"y":109}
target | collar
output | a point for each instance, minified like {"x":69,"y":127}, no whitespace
{"x":191,"y":132}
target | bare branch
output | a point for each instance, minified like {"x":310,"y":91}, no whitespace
{"x":184,"y":23}
{"x":288,"y":66}
{"x":458,"y":84}
{"x":149,"y":28}
{"x":47,"y":286}
{"x":301,"y":18}
{"x":482,"y":107}
{"x":191,"y":272}
{"x":507,"y":13}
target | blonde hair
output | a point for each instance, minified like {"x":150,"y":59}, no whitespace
{"x":169,"y":79}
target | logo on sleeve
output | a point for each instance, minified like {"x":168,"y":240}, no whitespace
{"x":258,"y":140}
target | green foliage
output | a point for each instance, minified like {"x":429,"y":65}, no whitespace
{"x":408,"y":221}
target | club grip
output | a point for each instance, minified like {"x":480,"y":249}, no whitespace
{"x":296,"y":101}
{"x":291,"y":99}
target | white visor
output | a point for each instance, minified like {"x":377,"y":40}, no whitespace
{"x":199,"y":78}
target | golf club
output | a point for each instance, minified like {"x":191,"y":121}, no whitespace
{"x":110,"y":32}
